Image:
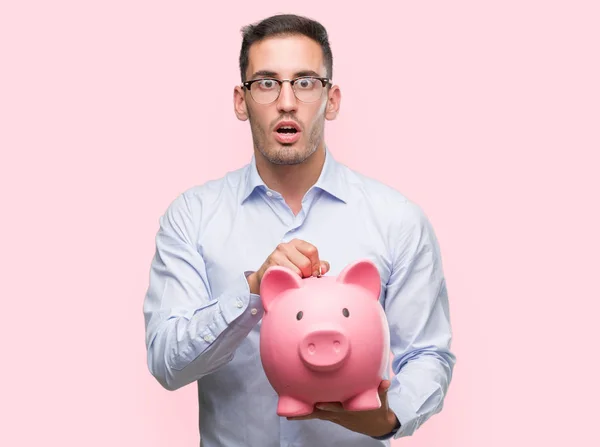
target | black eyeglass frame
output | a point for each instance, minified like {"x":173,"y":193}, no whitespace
{"x":324,"y":81}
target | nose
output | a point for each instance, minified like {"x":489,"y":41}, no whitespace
{"x":324,"y":350}
{"x":287,"y":101}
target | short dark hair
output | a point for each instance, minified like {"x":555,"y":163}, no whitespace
{"x":285,"y":25}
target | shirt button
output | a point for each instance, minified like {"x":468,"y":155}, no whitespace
{"x":208,"y":338}
{"x":239,"y":304}
{"x":254,"y":311}
{"x":269,"y":193}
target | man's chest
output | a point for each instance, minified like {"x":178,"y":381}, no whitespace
{"x":243,"y":241}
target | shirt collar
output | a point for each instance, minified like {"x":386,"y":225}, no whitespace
{"x":331,"y":179}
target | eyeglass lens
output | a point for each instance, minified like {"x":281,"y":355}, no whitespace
{"x":266,"y":91}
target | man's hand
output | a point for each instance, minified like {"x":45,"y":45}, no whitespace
{"x":297,"y":255}
{"x":378,"y":422}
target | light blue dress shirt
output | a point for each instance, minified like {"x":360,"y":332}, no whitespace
{"x":202,"y":322}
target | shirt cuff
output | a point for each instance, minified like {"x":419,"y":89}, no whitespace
{"x":238,"y":299}
{"x":408,"y":418}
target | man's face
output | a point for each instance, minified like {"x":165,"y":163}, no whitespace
{"x":286,"y":58}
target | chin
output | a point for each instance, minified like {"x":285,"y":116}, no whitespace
{"x":287,"y":154}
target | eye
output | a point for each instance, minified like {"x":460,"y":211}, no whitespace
{"x":299,"y":315}
{"x":345,"y":312}
{"x":267,"y":84}
{"x":305,"y":83}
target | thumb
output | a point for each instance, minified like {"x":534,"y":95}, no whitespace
{"x":383,"y":390}
{"x":324,"y":267}
{"x":384,"y":386}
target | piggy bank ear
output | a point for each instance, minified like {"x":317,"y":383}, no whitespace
{"x":362,"y":273}
{"x":275,"y":281}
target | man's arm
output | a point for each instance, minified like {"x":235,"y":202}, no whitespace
{"x":190,"y":332}
{"x":417,"y":309}
{"x":416,"y":306}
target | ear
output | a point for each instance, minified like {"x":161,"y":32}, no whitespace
{"x":334,"y":98}
{"x":239,"y":103}
{"x":275,"y":281}
{"x":362,"y":273}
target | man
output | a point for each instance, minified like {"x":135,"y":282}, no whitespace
{"x":294,"y":206}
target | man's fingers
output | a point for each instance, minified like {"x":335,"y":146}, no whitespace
{"x":384,"y":386}
{"x":334,"y":407}
{"x":316,"y":414}
{"x":303,"y":256}
{"x":312,"y":253}
{"x":313,"y":415}
{"x":303,"y":263}
{"x":283,"y":260}
{"x":288,"y":254}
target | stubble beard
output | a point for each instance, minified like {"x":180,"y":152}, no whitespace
{"x":286,"y":154}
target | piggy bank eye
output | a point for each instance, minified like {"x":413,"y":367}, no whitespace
{"x":346,"y":312}
{"x":299,"y":315}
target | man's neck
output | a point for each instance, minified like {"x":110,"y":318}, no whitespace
{"x":291,"y":181}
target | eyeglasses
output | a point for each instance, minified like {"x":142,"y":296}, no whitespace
{"x":267,"y":90}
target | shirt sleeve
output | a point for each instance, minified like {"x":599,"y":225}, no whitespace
{"x":190,"y":332}
{"x":417,"y":310}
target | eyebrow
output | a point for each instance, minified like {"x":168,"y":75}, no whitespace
{"x":273,"y":74}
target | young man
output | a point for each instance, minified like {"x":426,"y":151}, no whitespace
{"x":294,"y":206}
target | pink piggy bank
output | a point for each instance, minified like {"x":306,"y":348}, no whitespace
{"x":324,"y":339}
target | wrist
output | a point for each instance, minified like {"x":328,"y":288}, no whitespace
{"x":392,"y":425}
{"x":253,"y":283}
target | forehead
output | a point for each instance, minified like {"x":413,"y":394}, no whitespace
{"x":286,"y":56}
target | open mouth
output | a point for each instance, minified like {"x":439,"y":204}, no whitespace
{"x":287,"y":130}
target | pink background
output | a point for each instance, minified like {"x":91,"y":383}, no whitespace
{"x":485,"y":113}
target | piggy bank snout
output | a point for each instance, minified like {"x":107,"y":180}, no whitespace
{"x":324,"y":349}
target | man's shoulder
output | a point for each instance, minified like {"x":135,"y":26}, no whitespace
{"x":380,"y":195}
{"x":210,"y":191}
{"x":229,"y":180}
{"x":400,"y":215}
